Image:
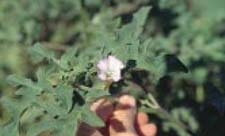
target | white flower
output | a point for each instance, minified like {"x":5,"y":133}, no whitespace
{"x":109,"y":68}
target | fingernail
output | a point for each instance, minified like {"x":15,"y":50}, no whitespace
{"x":127,"y":100}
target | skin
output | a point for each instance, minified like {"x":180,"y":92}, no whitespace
{"x":121,"y":119}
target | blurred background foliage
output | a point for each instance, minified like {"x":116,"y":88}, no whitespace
{"x":193,"y":30}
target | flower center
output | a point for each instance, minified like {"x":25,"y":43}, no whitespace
{"x":109,"y":74}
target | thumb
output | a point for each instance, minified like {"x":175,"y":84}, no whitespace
{"x":123,"y":117}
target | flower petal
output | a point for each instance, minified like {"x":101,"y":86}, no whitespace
{"x":109,"y":68}
{"x":114,"y":63}
{"x":102,"y":76}
{"x":116,"y":76}
{"x":103,"y":65}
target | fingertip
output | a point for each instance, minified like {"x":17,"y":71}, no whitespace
{"x":124,"y":116}
{"x":127,"y":100}
{"x":148,"y":129}
{"x":103,"y":108}
{"x":142,"y":118}
{"x":126,"y":134}
{"x":97,"y":104}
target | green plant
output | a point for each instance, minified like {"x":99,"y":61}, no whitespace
{"x":72,"y":36}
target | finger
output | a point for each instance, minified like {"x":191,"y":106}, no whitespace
{"x":86,"y":130}
{"x":148,"y":130}
{"x":142,"y":118}
{"x":123,"y":118}
{"x":103,"y":108}
{"x":125,"y":134}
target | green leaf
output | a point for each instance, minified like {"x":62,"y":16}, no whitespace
{"x":65,"y":95}
{"x":71,"y":123}
{"x":141,"y":16}
{"x":16,"y":80}
{"x":9,"y":130}
{"x":4,"y":115}
{"x":43,"y":75}
{"x":93,"y":95}
{"x":35,"y":122}
{"x":66,"y":58}
{"x":11,"y":127}
{"x":50,"y":104}
{"x":129,"y":33}
{"x":91,"y":118}
{"x":39,"y":52}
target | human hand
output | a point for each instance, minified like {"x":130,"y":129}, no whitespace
{"x":121,"y":119}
